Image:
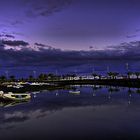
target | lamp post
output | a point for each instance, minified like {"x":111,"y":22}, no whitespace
{"x":56,"y":72}
{"x":127,"y":67}
{"x":93,"y":69}
{"x":107,"y":69}
{"x":7,"y":74}
{"x":34,"y":73}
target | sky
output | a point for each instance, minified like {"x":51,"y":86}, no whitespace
{"x":69,"y":32}
{"x":70,"y":24}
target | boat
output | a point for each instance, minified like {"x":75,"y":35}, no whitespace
{"x":74,"y":91}
{"x":18,"y":86}
{"x":1,"y":94}
{"x":16,"y":96}
{"x":9,"y":86}
{"x":35,"y":92}
{"x":35,"y":84}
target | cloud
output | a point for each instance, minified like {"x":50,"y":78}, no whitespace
{"x":134,"y":35}
{"x":131,"y":36}
{"x":14,"y":42}
{"x":18,"y":34}
{"x":46,"y":7}
{"x":7,"y":36}
{"x":16,"y":22}
{"x":45,"y":55}
{"x":91,"y":47}
{"x":39,"y":44}
{"x":137,"y":30}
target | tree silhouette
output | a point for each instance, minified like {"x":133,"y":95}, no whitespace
{"x":137,"y":74}
{"x":31,"y":78}
{"x":42,"y":77}
{"x":115,"y":74}
{"x":129,"y":74}
{"x":94,"y":75}
{"x":12,"y":78}
{"x":3,"y":78}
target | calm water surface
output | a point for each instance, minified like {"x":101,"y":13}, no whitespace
{"x":96,"y":113}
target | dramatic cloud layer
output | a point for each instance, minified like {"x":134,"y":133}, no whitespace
{"x":40,"y":54}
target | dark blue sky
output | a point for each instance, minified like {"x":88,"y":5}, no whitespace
{"x":69,"y":32}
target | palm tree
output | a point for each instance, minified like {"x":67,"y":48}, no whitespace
{"x":2,"y":78}
{"x":129,"y":74}
{"x":50,"y":76}
{"x":94,"y":75}
{"x":137,"y":74}
{"x":42,"y":77}
{"x":99,"y":76}
{"x":68,"y":76}
{"x":22,"y":79}
{"x":12,"y":78}
{"x":80,"y":78}
{"x":31,"y":78}
{"x":110,"y":74}
{"x":73,"y":76}
{"x":115,"y":74}
{"x":63,"y":76}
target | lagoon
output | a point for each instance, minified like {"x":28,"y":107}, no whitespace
{"x":97,"y":112}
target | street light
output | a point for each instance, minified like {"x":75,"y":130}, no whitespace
{"x":108,"y":69}
{"x":34,"y":73}
{"x":127,"y":67}
{"x":7,"y":73}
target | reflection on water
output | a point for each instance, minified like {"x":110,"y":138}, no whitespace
{"x":12,"y":103}
{"x":97,"y":112}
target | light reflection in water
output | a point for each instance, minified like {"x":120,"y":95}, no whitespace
{"x":111,"y":111}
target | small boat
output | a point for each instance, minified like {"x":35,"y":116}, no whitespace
{"x":35,"y":92}
{"x":16,"y":96}
{"x":1,"y":94}
{"x":74,"y":91}
{"x":35,"y":84}
{"x":9,"y":86}
{"x":18,"y":86}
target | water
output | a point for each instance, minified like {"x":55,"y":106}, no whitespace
{"x":96,"y":113}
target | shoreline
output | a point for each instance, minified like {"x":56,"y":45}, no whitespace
{"x":64,"y":84}
{"x":135,"y":83}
